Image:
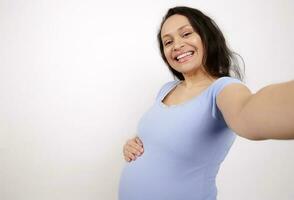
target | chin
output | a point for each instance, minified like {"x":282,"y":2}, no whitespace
{"x":186,"y":68}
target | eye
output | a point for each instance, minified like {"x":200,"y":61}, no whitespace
{"x":187,"y":34}
{"x":168,"y":42}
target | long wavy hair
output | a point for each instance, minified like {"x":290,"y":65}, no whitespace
{"x":218,"y":60}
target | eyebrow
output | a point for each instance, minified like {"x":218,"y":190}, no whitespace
{"x":178,"y":29}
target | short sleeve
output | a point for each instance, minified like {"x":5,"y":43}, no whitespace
{"x":164,"y":89}
{"x":218,"y":87}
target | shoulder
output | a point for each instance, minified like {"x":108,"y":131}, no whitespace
{"x":165,"y":87}
{"x":228,"y":88}
{"x":231,"y":100}
{"x":224,"y":83}
{"x":168,"y":84}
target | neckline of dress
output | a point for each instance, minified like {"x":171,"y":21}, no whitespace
{"x":194,"y":98}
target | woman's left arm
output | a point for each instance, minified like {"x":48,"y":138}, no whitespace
{"x":267,"y":114}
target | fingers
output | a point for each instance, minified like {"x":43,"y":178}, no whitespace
{"x":132,"y":149}
{"x":134,"y":145}
{"x":127,"y":159}
{"x":129,"y":155}
{"x":138,"y":141}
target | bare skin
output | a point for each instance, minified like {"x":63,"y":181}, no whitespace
{"x":132,"y":149}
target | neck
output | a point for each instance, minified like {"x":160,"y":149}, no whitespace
{"x":197,"y":79}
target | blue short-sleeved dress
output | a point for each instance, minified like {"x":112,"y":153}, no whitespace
{"x":184,"y":146}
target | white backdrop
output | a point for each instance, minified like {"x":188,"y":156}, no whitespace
{"x":76,"y":76}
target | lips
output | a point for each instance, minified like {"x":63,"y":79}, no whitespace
{"x":183,"y":56}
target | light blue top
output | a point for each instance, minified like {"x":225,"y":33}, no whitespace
{"x":184,"y":145}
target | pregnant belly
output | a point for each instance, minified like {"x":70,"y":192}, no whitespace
{"x":153,"y":176}
{"x":141,"y":177}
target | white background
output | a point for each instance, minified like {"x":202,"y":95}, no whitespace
{"x":76,"y":76}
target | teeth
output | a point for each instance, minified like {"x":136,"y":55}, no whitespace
{"x":184,"y":54}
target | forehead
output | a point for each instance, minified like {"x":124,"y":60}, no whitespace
{"x":173,"y":23}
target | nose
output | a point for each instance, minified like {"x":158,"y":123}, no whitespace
{"x":178,"y":44}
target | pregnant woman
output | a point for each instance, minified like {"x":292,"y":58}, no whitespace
{"x":186,"y":134}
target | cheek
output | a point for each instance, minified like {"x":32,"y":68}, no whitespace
{"x":166,"y":54}
{"x":199,"y":45}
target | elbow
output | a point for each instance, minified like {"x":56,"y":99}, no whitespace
{"x":256,"y":138}
{"x":244,"y":127}
{"x":247,"y":132}
{"x":250,"y":135}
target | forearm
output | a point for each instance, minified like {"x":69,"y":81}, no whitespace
{"x":269,"y":113}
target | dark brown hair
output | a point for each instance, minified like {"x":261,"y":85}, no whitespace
{"x":218,"y":59}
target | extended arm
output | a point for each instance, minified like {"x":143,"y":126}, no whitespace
{"x":267,"y":114}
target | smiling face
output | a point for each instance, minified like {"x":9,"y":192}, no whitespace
{"x":182,"y":46}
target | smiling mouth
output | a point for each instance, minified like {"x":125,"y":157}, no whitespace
{"x":184,"y":57}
